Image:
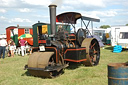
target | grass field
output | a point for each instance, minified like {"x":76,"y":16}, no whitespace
{"x":12,"y":71}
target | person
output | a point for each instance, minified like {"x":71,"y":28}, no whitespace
{"x":3,"y":44}
{"x":8,"y":47}
{"x":12,"y":48}
{"x":28,"y":49}
{"x":22,"y":43}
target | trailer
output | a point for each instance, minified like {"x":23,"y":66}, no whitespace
{"x":119,"y":36}
{"x":15,"y":31}
{"x":99,"y":33}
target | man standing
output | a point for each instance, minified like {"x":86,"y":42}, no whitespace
{"x":3,"y":44}
{"x":22,"y":43}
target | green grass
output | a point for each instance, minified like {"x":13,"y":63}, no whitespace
{"x":12,"y":71}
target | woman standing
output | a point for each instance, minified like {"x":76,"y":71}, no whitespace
{"x":12,"y":48}
{"x":22,"y":43}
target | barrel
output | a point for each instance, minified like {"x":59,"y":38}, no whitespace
{"x":118,"y":74}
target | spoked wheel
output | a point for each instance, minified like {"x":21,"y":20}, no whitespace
{"x":42,"y":64}
{"x":92,"y":50}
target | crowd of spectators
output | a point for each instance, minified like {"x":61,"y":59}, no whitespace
{"x":10,"y":47}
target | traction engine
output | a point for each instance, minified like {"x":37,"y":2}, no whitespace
{"x":49,"y":59}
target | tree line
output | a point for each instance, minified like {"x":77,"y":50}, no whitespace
{"x":107,"y":26}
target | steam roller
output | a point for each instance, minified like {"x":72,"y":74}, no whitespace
{"x":52,"y":52}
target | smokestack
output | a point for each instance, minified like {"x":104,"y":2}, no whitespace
{"x":52,"y":9}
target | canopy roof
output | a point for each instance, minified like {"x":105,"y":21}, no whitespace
{"x":71,"y":17}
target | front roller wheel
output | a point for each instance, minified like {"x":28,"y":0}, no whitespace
{"x":42,"y":64}
{"x":92,"y":50}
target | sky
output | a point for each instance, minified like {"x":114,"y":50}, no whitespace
{"x":29,"y":12}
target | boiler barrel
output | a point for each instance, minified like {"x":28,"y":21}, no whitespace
{"x":118,"y":74}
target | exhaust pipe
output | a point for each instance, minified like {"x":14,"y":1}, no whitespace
{"x":52,"y":9}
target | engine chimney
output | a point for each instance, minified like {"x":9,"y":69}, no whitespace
{"x":52,"y":9}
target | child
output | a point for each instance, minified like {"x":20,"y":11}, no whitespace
{"x":12,"y":48}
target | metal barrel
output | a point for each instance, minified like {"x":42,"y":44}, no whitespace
{"x":118,"y":74}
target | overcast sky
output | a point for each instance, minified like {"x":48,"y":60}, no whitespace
{"x":28,"y":12}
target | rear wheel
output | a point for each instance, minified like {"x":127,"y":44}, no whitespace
{"x":92,"y":50}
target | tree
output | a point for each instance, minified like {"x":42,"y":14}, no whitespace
{"x":126,"y":24}
{"x":105,"y":26}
